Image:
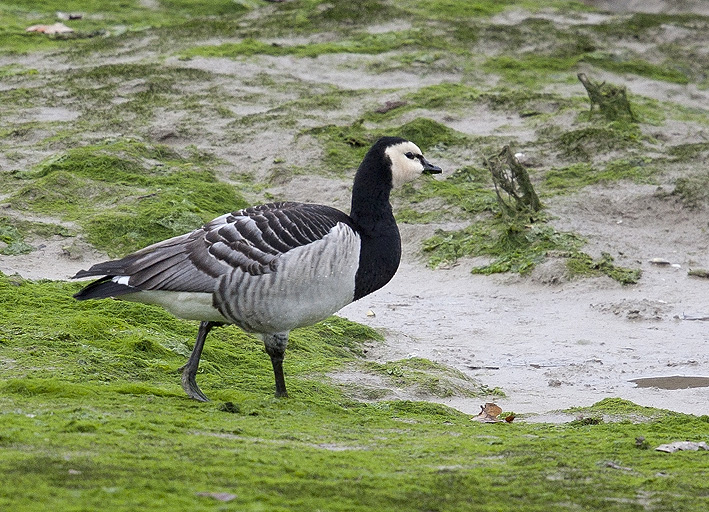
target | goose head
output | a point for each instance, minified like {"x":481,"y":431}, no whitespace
{"x":407,"y":162}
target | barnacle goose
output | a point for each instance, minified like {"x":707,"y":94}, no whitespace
{"x":271,"y":268}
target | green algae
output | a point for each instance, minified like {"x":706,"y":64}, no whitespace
{"x":362,"y":44}
{"x":638,"y":67}
{"x":581,"y":264}
{"x":576,"y":176}
{"x":12,"y":241}
{"x":92,"y":420}
{"x":126,"y":194}
{"x":513,"y":246}
{"x":468,"y":189}
{"x":584,"y":143}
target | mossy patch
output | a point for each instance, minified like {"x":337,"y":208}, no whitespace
{"x":425,"y":378}
{"x":666,"y":73}
{"x":91,"y":420}
{"x":12,"y":242}
{"x":468,"y":189}
{"x":101,"y":24}
{"x":576,"y":176}
{"x":126,"y":194}
{"x":513,"y":246}
{"x":584,"y":143}
{"x":582,"y":264}
{"x":363,"y":43}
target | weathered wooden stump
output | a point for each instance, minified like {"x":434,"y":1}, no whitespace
{"x":612,"y":100}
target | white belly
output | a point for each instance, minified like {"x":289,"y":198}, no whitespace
{"x":187,"y":305}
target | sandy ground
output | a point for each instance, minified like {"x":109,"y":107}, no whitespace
{"x":548,"y":342}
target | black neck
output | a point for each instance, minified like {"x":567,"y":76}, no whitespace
{"x":372,"y":214}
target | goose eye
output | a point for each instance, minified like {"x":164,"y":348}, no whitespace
{"x":410,"y":155}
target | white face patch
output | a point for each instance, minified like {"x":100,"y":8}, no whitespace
{"x":404,"y":168}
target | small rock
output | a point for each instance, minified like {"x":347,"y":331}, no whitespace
{"x":682,"y":445}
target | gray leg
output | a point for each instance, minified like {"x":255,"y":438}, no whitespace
{"x":189,"y":370}
{"x":276,"y":348}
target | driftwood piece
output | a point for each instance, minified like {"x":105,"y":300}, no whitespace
{"x":515,"y":193}
{"x":612,"y":100}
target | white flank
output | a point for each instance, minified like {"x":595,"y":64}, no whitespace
{"x":310,"y":283}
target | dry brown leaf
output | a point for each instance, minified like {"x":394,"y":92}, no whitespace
{"x":492,"y":409}
{"x":57,"y":28}
{"x":488,"y":413}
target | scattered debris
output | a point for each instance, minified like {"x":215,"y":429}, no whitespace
{"x":612,"y":100}
{"x":682,"y":446}
{"x":371,"y":313}
{"x":56,"y":28}
{"x":634,"y":309}
{"x":660,"y":262}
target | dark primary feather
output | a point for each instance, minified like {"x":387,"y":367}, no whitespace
{"x":251,"y":239}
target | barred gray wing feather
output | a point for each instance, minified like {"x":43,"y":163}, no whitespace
{"x":252,"y":240}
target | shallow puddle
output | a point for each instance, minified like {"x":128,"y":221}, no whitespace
{"x":672,"y":382}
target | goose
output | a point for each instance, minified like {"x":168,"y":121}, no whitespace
{"x":272,"y":268}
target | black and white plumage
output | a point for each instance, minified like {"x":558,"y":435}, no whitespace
{"x":271,"y":268}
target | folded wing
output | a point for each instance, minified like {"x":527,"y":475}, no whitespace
{"x":252,"y":240}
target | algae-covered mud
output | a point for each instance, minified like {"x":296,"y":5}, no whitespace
{"x":152,"y":117}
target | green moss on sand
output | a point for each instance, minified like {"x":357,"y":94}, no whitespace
{"x":126,"y":194}
{"x":576,"y":176}
{"x":94,"y":418}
